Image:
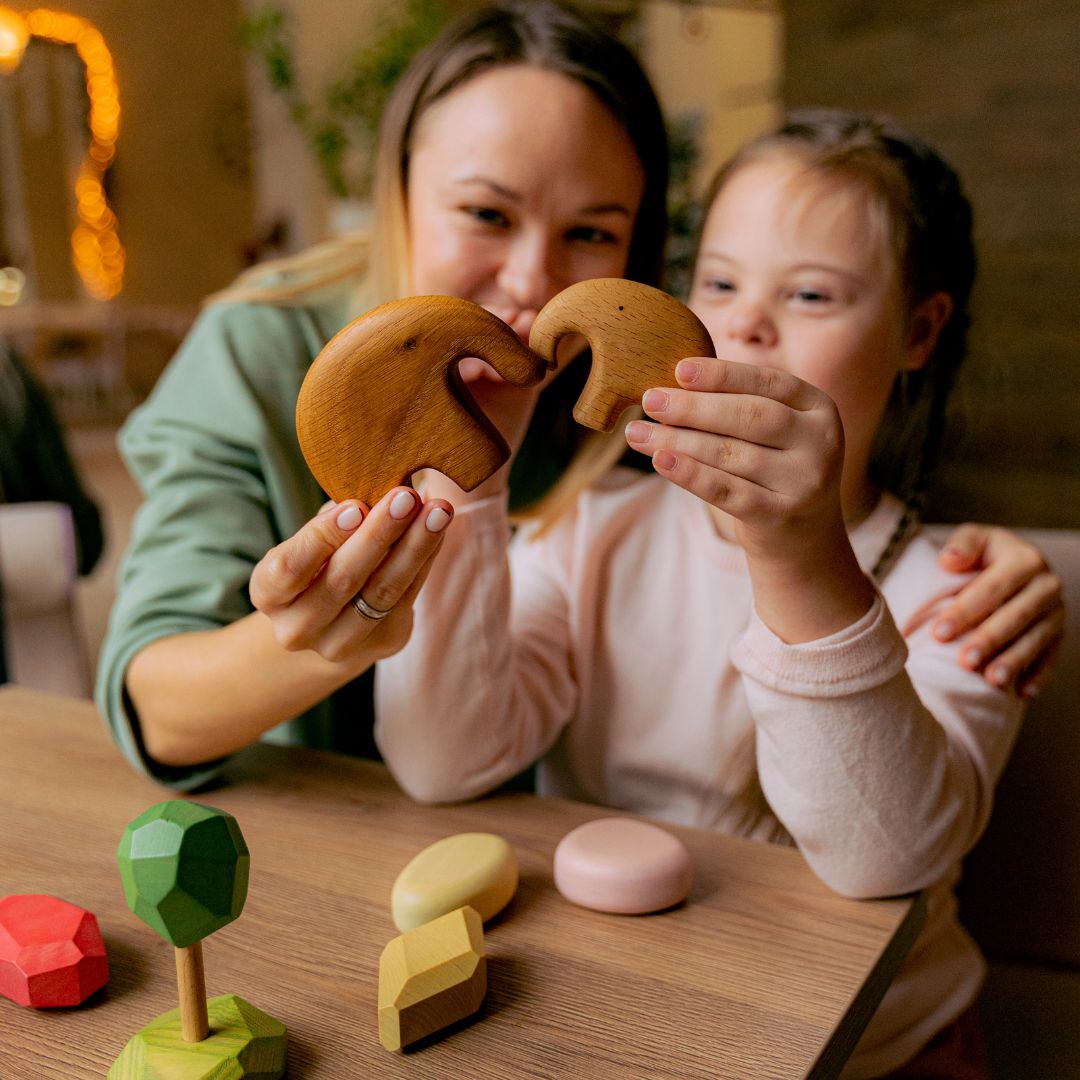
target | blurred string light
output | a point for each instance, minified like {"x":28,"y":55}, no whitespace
{"x":95,"y":245}
{"x":12,"y":283}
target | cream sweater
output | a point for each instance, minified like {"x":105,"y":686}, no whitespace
{"x":628,"y":657}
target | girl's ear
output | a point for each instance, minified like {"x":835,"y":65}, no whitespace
{"x":924,"y":327}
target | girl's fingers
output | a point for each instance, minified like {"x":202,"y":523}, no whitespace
{"x":760,"y":405}
{"x":727,"y":376}
{"x":289,"y":568}
{"x":747,"y":460}
{"x":754,"y":419}
{"x":739,"y":497}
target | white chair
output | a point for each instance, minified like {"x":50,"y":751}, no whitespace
{"x":43,"y":639}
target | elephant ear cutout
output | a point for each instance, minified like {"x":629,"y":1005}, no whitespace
{"x":384,"y":399}
{"x":638,"y":335}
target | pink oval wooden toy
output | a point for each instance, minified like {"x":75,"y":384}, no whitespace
{"x":622,"y":866}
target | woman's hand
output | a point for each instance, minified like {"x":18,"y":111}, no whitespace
{"x":766,"y":448}
{"x":1015,"y":606}
{"x":326,"y":587}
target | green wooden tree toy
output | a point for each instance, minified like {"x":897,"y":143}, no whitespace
{"x":184,"y":868}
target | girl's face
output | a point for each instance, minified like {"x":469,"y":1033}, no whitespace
{"x":792,"y":274}
{"x":520,"y":184}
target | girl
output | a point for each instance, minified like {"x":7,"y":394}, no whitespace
{"x":743,"y":640}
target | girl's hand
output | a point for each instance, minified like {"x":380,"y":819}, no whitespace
{"x":755,"y":442}
{"x":767,"y":449}
{"x":1015,"y":605}
{"x":307,"y":585}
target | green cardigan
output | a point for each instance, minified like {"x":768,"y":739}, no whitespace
{"x":214,"y":450}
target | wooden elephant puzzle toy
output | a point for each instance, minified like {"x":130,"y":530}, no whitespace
{"x":384,"y":399}
{"x":637,"y":334}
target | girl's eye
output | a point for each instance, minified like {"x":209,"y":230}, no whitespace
{"x":812,"y":296}
{"x":487,"y":215}
{"x":588,"y":235}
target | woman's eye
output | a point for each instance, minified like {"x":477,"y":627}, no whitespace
{"x":717,"y":285}
{"x":486,"y":215}
{"x":588,"y":235}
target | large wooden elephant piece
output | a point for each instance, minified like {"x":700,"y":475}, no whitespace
{"x":384,"y":399}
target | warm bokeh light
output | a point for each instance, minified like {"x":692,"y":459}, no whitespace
{"x":12,"y":283}
{"x":14,"y":34}
{"x":96,"y":249}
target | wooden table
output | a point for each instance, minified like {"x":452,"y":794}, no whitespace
{"x":762,"y":973}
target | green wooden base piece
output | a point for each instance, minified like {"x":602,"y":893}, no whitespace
{"x":243,"y":1044}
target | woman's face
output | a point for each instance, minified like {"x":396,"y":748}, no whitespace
{"x":520,"y":184}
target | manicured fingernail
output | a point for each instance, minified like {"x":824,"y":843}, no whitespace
{"x":688,"y":371}
{"x":637,"y":431}
{"x":973,"y":656}
{"x":654,"y":401}
{"x":349,"y":518}
{"x":401,"y":505}
{"x":943,"y":631}
{"x":437,"y":520}
{"x":999,"y":676}
{"x":664,"y":459}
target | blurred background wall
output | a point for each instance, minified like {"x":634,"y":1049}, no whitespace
{"x":995,"y":84}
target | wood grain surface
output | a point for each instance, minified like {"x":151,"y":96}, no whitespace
{"x":762,"y":973}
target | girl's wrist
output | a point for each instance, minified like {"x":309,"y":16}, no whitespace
{"x":811,"y":592}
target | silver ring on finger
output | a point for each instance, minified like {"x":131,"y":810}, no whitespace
{"x":366,"y":611}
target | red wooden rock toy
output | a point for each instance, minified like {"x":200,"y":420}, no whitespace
{"x":51,"y":952}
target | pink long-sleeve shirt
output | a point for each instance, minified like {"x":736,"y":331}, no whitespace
{"x":626,"y":655}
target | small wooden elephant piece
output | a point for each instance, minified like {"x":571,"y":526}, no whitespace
{"x":637,"y":333}
{"x":384,"y":398}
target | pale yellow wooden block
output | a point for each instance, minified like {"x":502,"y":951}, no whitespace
{"x":431,"y":977}
{"x":479,"y":870}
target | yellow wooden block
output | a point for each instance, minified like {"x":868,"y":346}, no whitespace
{"x":431,"y":977}
{"x":479,"y":870}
